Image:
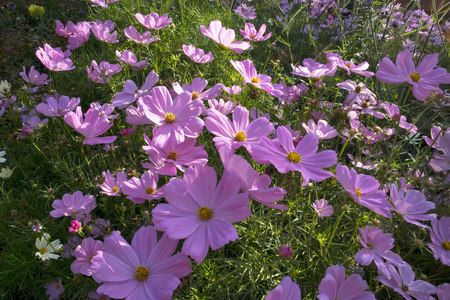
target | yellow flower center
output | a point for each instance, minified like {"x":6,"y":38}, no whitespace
{"x":115,"y":189}
{"x":446,"y":246}
{"x":141,"y":273}
{"x":59,"y":111}
{"x":43,"y":251}
{"x":358,"y":192}
{"x":405,"y":288}
{"x":294,"y":157}
{"x":255,"y":80}
{"x":149,"y":190}
{"x":194,"y":95}
{"x":415,"y":76}
{"x":170,"y":118}
{"x":348,"y":65}
{"x":240,"y":136}
{"x":358,"y":89}
{"x":252,"y":36}
{"x":90,"y":258}
{"x":370,"y":245}
{"x":57,"y":287}
{"x":172,"y":155}
{"x":205,"y":213}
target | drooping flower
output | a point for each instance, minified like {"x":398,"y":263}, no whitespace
{"x":197,"y":55}
{"x":286,"y":290}
{"x":402,"y":281}
{"x":393,"y":111}
{"x":200,"y":211}
{"x":112,"y":186}
{"x":46,"y":248}
{"x":322,"y":129}
{"x":75,"y":205}
{"x":322,"y":208}
{"x":84,"y":254}
{"x":246,"y":12}
{"x":55,"y":106}
{"x":91,"y":127}
{"x":349,"y":66}
{"x":441,"y":162}
{"x":145,"y":188}
{"x":440,"y":239}
{"x":196,"y":89}
{"x":143,"y":39}
{"x":54,"y":289}
{"x":54,"y":59}
{"x":102,"y":73}
{"x":251,"y":76}
{"x":153,"y":21}
{"x":357,"y":91}
{"x":364,"y":190}
{"x":377,"y":245}
{"x":128,"y":57}
{"x":131,"y":92}
{"x":102,"y":31}
{"x":303,"y":158}
{"x":224,"y":37}
{"x":251,"y":34}
{"x":145,"y":269}
{"x":334,"y":286}
{"x":424,"y":79}
{"x":34,"y":77}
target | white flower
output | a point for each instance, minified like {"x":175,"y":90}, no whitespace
{"x":46,"y":250}
{"x":5,"y":87}
{"x":6,"y":172}
{"x":2,"y":159}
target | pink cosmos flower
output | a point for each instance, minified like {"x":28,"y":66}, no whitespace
{"x":196,"y":89}
{"x":436,"y":135}
{"x":131,"y":92}
{"x":72,"y":242}
{"x":175,"y":119}
{"x":100,"y":227}
{"x":62,"y":30}
{"x":153,"y":21}
{"x":234,"y":90}
{"x":75,"y":205}
{"x":443,"y":291}
{"x":224,"y":37}
{"x":54,"y":289}
{"x":197,"y":55}
{"x":303,"y":158}
{"x":78,"y":35}
{"x":424,"y":79}
{"x":377,"y":245}
{"x":128,"y":57}
{"x":322,"y":129}
{"x":105,"y":109}
{"x":441,"y":162}
{"x":251,"y":76}
{"x":91,"y":127}
{"x":97,"y":296}
{"x":334,"y":286}
{"x":322,"y":208}
{"x":221,"y":106}
{"x":145,"y":188}
{"x":313,"y":69}
{"x":364,"y":190}
{"x":54,"y":59}
{"x":286,"y":290}
{"x":143,"y":39}
{"x":246,"y":12}
{"x":238,"y":133}
{"x":112,"y":186}
{"x":402,"y":281}
{"x":368,"y":107}
{"x":102,"y":31}
{"x":440,"y":239}
{"x":34,"y":77}
{"x":348,"y":65}
{"x":412,"y":206}
{"x":200,"y":211}
{"x":169,"y":159}
{"x":75,"y":226}
{"x":84,"y":254}
{"x":136,"y":115}
{"x":145,"y":269}
{"x":251,"y":34}
{"x":394,"y":112}
{"x":102,"y":73}
{"x":357,"y":91}
{"x":55,"y":106}
{"x":102,"y":3}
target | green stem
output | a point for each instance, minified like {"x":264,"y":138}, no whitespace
{"x":334,"y":231}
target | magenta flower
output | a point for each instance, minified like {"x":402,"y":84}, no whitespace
{"x":436,"y":134}
{"x":169,"y":159}
{"x":143,"y":39}
{"x":285,"y":251}
{"x":153,"y":21}
{"x":357,"y":92}
{"x":251,"y":76}
{"x":102,"y":31}
{"x":402,"y":281}
{"x":175,"y":119}
{"x":75,"y":226}
{"x":322,"y":129}
{"x":197,"y":55}
{"x":377,"y":245}
{"x":440,"y":239}
{"x":128,"y":57}
{"x":303,"y":158}
{"x":221,"y":106}
{"x":424,"y":79}
{"x":54,"y":289}
{"x":145,"y":188}
{"x":224,"y":37}
{"x":102,"y":73}
{"x":412,"y":206}
{"x":84,"y":254}
{"x":238,"y":133}
{"x":251,"y":34}
{"x":286,"y":290}
{"x":78,"y":35}
{"x":112,"y":186}
{"x":246,"y":12}
{"x":200,"y":211}
{"x":196,"y":89}
{"x":75,"y":205}
{"x":334,"y":286}
{"x":54,"y":59}
{"x":364,"y":190}
{"x":322,"y":208}
{"x":131,"y":92}
{"x":91,"y":127}
{"x":394,"y":112}
{"x":128,"y":131}
{"x":55,"y":106}
{"x":441,"y":162}
{"x":348,"y":65}
{"x":34,"y":77}
{"x":313,"y":69}
{"x":144,"y":270}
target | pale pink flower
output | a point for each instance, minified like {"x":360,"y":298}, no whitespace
{"x":251,"y":34}
{"x":112,"y":186}
{"x":440,"y":239}
{"x":102,"y":31}
{"x":54,"y":59}
{"x":251,"y":76}
{"x":234,"y":90}
{"x":443,"y":291}
{"x":136,"y":115}
{"x":54,"y":289}
{"x":197,"y":55}
{"x":441,"y":162}
{"x":313,"y":69}
{"x":224,"y":37}
{"x":322,"y":208}
{"x":128,"y":57}
{"x":153,"y":21}
{"x":357,"y":91}
{"x":145,"y":188}
{"x":78,"y":35}
{"x":436,"y":134}
{"x":143,"y":39}
{"x":84,"y":254}
{"x":246,"y":12}
{"x":131,"y":92}
{"x":322,"y":129}
{"x":102,"y":73}
{"x":196,"y":89}
{"x":221,"y":106}
{"x":349,"y":66}
{"x":393,"y":111}
{"x":34,"y":77}
{"x":75,"y":205}
{"x":286,"y":290}
{"x":55,"y":106}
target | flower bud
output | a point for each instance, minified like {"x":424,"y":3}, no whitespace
{"x":285,"y":251}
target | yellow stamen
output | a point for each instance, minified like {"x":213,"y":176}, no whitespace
{"x":205,"y":213}
{"x":170,"y":118}
{"x":59,"y":110}
{"x":255,"y":80}
{"x":194,"y":95}
{"x":57,"y":287}
{"x":358,"y":89}
{"x":43,"y":251}
{"x":149,"y":190}
{"x":240,"y":136}
{"x":141,"y":273}
{"x":370,"y":245}
{"x":294,"y":157}
{"x":115,"y":189}
{"x":358,"y":192}
{"x":252,"y":36}
{"x":446,"y":246}
{"x":172,"y":155}
{"x":348,"y":65}
{"x":415,"y":76}
{"x":90,"y":258}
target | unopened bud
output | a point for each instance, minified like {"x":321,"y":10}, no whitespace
{"x":285,"y":251}
{"x":310,"y":185}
